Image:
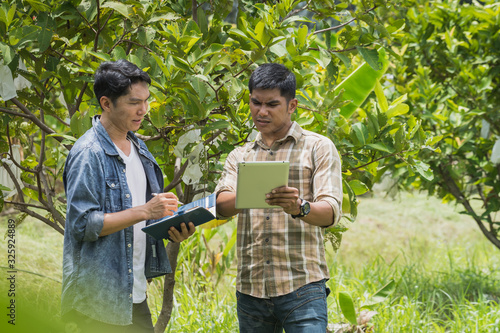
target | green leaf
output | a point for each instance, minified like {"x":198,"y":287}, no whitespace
{"x":371,"y":57}
{"x":161,"y":64}
{"x":6,"y":14}
{"x":278,"y":50}
{"x":67,"y":138}
{"x":118,"y":6}
{"x":360,"y":83}
{"x":302,"y":35}
{"x":397,"y":110}
{"x":164,"y":17}
{"x":347,"y":307}
{"x":45,"y":35}
{"x":199,"y":86}
{"x":324,"y":58}
{"x":156,"y":116}
{"x":119,"y":53}
{"x":79,"y":124}
{"x":361,"y":133}
{"x":238,"y":33}
{"x":381,"y":147}
{"x":372,"y":123}
{"x":380,"y":295}
{"x":423,"y":170}
{"x":260,"y":33}
{"x":358,"y":187}
{"x":433,"y":140}
{"x":182,"y":65}
{"x":386,"y":290}
{"x":202,"y":20}
{"x":382,"y":101}
{"x":38,"y":5}
{"x":400,"y":138}
{"x":211,"y":50}
{"x":216,"y":125}
{"x":345,"y":59}
{"x":100,"y":55}
{"x":230,"y":243}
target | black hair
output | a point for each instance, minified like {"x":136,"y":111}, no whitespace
{"x":272,"y":76}
{"x":114,"y":78}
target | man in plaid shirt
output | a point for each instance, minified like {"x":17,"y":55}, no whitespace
{"x":282,"y":269}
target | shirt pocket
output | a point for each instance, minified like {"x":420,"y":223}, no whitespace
{"x":113,"y":195}
{"x":300,"y":177}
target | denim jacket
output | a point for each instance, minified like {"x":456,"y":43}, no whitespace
{"x":98,"y":271}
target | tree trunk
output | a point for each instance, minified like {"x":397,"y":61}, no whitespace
{"x":168,"y":289}
{"x":453,"y":188}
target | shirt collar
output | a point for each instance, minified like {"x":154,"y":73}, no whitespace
{"x":294,"y":133}
{"x":106,"y":142}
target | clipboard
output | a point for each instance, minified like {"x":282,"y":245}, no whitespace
{"x":256,"y":179}
{"x":199,"y":212}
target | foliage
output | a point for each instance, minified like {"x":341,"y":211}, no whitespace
{"x":449,"y":69}
{"x":200,"y":66}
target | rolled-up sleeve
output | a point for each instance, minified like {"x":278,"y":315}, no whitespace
{"x":227,"y":181}
{"x":327,"y":177}
{"x":83,"y":181}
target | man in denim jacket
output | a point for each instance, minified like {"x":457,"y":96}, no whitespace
{"x":114,"y":188}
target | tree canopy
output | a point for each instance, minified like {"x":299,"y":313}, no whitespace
{"x":449,"y":69}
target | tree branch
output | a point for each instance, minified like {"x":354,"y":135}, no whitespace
{"x":64,"y":57}
{"x":452,"y":187}
{"x":296,"y":11}
{"x":13,"y":178}
{"x":341,"y":25}
{"x":376,"y":160}
{"x":16,"y":203}
{"x":45,"y":220}
{"x":32,"y":117}
{"x":177,"y":178}
{"x":194,"y":4}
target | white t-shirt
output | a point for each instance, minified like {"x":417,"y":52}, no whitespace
{"x":136,"y":180}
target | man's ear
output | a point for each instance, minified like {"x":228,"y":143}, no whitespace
{"x":292,"y":105}
{"x":105,"y":103}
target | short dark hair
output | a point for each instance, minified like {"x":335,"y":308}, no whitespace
{"x":114,"y":78}
{"x":272,"y":76}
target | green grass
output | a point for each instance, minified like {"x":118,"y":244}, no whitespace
{"x":447,"y":274}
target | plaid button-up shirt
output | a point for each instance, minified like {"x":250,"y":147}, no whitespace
{"x":278,"y":254}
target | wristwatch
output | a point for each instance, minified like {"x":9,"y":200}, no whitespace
{"x":305,"y":208}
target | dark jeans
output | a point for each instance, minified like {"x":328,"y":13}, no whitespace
{"x":141,"y":323}
{"x":302,"y":311}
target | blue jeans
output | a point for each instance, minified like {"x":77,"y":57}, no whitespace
{"x":302,"y":311}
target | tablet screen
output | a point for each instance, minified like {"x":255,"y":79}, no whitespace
{"x":256,"y":179}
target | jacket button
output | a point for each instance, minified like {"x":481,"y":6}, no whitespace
{"x":127,"y":195}
{"x":129,"y":245}
{"x":130,"y":271}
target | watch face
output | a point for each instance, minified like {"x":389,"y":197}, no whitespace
{"x":306,"y":208}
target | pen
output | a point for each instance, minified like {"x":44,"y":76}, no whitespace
{"x":178,"y":202}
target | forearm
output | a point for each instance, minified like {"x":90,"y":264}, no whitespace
{"x":321,"y":214}
{"x":114,"y":222}
{"x":226,"y":202}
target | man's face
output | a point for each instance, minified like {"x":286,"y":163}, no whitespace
{"x":271,"y":113}
{"x":128,"y":111}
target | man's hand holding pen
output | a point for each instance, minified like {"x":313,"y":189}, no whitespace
{"x":170,"y":204}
